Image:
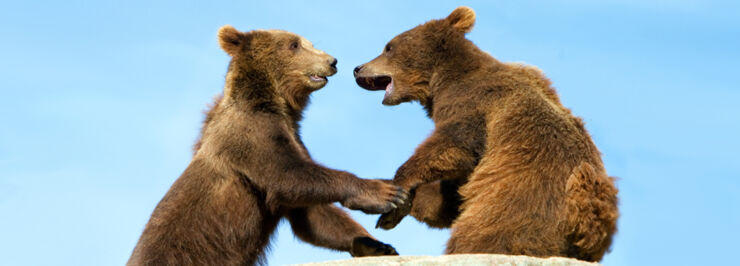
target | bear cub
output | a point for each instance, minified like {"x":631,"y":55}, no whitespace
{"x":251,"y":169}
{"x":508,"y":168}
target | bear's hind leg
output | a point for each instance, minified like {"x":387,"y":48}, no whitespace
{"x":509,"y":217}
{"x":329,"y":226}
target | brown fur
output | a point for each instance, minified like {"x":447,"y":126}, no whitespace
{"x":530,"y":179}
{"x":250,"y":168}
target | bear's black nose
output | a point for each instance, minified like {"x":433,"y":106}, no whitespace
{"x":357,"y":69}
{"x":333,"y":62}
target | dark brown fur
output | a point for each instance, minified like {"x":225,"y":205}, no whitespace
{"x":507,"y":167}
{"x":250,"y":168}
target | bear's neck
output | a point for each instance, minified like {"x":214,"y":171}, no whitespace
{"x":296,"y":98}
{"x":257,"y":90}
{"x":245,"y":84}
{"x":461,"y":63}
{"x":462,"y":60}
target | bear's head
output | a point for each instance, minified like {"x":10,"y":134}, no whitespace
{"x":410,"y":60}
{"x":276,"y":59}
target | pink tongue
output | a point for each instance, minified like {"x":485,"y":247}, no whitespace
{"x":389,"y":88}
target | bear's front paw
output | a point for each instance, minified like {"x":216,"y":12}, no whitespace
{"x":365,"y":246}
{"x":390,"y":219}
{"x":377,"y":196}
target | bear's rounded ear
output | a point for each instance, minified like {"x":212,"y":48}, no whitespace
{"x":462,"y":19}
{"x":230,"y":39}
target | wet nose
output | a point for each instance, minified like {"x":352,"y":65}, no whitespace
{"x":357,"y":69}
{"x":333,"y":62}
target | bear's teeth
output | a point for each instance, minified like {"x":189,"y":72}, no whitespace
{"x":389,"y":87}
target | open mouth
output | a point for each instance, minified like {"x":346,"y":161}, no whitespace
{"x":317,"y":78}
{"x":376,"y":83}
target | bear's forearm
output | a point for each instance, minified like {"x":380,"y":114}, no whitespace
{"x":432,"y":164}
{"x":451,"y":152}
{"x":308,"y":185}
{"x":437,"y":158}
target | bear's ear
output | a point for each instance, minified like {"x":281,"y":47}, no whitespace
{"x":462,"y":19}
{"x":230,"y":39}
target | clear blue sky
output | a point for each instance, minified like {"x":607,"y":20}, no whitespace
{"x":101,"y":103}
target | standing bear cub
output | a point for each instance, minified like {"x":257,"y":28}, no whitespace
{"x":508,"y":167}
{"x":250,"y":168}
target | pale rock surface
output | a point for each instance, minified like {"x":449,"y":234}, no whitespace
{"x":461,"y":259}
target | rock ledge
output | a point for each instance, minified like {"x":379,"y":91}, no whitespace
{"x":462,"y":259}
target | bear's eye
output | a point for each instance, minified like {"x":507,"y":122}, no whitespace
{"x":294,"y":45}
{"x":388,"y":47}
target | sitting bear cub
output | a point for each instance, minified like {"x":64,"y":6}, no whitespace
{"x":508,"y":167}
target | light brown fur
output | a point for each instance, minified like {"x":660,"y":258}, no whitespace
{"x":508,"y":167}
{"x":251,"y":169}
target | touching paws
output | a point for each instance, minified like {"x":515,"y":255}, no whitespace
{"x":390,"y":219}
{"x":365,"y":246}
{"x":377,"y":196}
